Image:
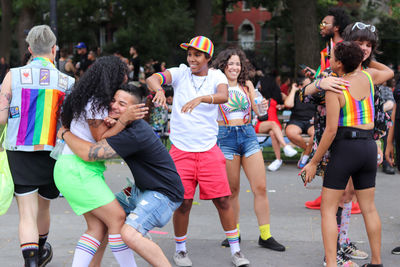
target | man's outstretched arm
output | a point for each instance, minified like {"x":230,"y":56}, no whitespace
{"x":86,"y":150}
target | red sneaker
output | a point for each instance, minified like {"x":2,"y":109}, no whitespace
{"x":315,"y":204}
{"x":355,"y":208}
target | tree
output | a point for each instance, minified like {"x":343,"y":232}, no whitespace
{"x":306,"y":39}
{"x":5,"y":34}
{"x":202,"y":24}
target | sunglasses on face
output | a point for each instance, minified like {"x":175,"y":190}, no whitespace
{"x":362,"y":26}
{"x":324,"y":24}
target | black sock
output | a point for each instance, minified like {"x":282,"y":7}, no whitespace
{"x":42,"y":241}
{"x":30,"y":253}
{"x":339,"y":216}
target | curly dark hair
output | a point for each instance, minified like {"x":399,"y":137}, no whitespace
{"x":356,"y":34}
{"x":222,"y":61}
{"x":341,"y":18}
{"x":98,"y":84}
{"x":349,"y":54}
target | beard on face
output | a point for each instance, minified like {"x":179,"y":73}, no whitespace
{"x":328,"y":36}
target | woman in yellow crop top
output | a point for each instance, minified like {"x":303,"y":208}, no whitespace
{"x":238,"y":141}
{"x":350,"y":121}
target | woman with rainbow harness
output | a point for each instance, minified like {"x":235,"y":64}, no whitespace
{"x":349,"y":135}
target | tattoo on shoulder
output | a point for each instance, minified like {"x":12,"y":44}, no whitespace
{"x":101,"y":151}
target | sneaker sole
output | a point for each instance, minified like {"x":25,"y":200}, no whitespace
{"x":313,"y":207}
{"x":357,"y":257}
{"x":46,"y":261}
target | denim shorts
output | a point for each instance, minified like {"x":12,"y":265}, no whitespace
{"x":146,"y":209}
{"x":238,"y":140}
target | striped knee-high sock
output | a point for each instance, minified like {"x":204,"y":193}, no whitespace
{"x":233,"y":239}
{"x":84,"y":251}
{"x":345,"y":222}
{"x":121,"y":251}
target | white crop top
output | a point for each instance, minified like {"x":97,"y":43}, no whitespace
{"x":238,"y":105}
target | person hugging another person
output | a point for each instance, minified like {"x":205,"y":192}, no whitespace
{"x":349,"y":133}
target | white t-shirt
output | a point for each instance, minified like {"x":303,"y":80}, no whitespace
{"x":80,"y":127}
{"x":196,"y":131}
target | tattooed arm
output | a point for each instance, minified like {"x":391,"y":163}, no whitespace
{"x":86,"y":150}
{"x":5,"y":98}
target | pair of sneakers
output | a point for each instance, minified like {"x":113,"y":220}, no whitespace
{"x":181,"y":258}
{"x":276,"y":164}
{"x":342,"y":260}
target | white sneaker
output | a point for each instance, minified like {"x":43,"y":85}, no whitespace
{"x":289,"y":151}
{"x":181,"y":258}
{"x":238,"y":259}
{"x":275,"y":165}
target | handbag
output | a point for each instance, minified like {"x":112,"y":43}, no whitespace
{"x":6,"y":181}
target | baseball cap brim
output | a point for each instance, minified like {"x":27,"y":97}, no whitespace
{"x":185,"y":46}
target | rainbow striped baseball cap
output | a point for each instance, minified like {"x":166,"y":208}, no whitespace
{"x":201,"y":43}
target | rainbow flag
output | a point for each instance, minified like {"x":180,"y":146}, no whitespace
{"x":39,"y":113}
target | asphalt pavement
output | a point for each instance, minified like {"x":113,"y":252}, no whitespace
{"x":291,"y":224}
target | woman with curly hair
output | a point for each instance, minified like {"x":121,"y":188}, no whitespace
{"x":82,"y":183}
{"x":238,"y":141}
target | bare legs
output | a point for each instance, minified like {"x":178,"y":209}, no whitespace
{"x":255,"y":172}
{"x":34,"y":217}
{"x":329,"y":204}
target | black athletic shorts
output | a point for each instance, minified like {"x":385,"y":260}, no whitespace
{"x":33,"y":171}
{"x":304,"y":125}
{"x":353,"y":153}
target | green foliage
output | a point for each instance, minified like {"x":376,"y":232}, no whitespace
{"x":155,"y":28}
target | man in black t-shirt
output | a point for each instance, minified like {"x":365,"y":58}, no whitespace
{"x":158,"y":190}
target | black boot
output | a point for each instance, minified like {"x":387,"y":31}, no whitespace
{"x":45,"y":255}
{"x":31,"y":257}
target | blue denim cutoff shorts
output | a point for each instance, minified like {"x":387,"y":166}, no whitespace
{"x":238,"y":140}
{"x":146,"y":209}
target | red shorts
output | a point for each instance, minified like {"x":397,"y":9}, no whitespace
{"x":204,"y":168}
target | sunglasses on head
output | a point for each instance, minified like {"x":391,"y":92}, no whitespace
{"x":363,"y":26}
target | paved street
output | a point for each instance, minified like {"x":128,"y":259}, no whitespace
{"x":291,"y":224}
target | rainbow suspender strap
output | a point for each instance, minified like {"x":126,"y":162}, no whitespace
{"x":249,"y":115}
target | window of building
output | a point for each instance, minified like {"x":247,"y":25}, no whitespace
{"x":245,"y":6}
{"x":230,"y":33}
{"x":230,"y":7}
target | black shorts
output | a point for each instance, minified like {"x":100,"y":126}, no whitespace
{"x":352,"y":156}
{"x":32,"y":171}
{"x":304,"y":125}
{"x":48,"y":191}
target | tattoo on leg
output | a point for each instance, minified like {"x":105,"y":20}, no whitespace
{"x":102,"y":150}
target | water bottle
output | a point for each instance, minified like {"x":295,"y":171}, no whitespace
{"x":262,"y":111}
{"x":58,"y":149}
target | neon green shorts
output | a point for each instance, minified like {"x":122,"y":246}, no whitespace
{"x":82,"y":183}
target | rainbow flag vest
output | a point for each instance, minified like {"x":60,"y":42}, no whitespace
{"x":38,"y":91}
